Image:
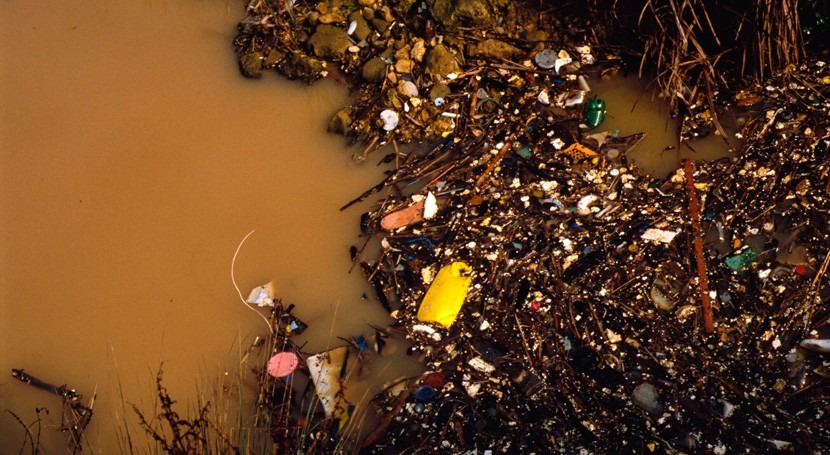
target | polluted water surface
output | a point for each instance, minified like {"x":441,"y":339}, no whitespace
{"x":135,"y":158}
{"x":130,"y":175}
{"x":632,"y":109}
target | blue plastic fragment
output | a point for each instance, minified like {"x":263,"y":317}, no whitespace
{"x":425,"y":394}
{"x":361,"y":343}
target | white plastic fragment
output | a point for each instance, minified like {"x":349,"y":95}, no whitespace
{"x":583,"y":207}
{"x":262,"y":295}
{"x":472,"y":388}
{"x":728,"y":409}
{"x":560,"y":62}
{"x":543,"y":97}
{"x":583,"y":83}
{"x":479,"y":364}
{"x":573,"y":99}
{"x":659,"y":235}
{"x":430,"y":206}
{"x":778,"y":444}
{"x":352,"y":27}
{"x":815,"y":345}
{"x":390,"y":119}
{"x":324,"y":369}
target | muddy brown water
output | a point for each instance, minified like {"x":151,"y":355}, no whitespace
{"x":135,"y":158}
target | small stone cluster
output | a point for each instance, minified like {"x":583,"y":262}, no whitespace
{"x":412,"y":64}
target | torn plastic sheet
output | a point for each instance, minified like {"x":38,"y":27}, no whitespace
{"x":262,"y":295}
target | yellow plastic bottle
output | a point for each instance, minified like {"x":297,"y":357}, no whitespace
{"x":446,"y":294}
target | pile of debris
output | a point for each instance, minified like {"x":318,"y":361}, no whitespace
{"x":561,"y":298}
{"x":583,"y":324}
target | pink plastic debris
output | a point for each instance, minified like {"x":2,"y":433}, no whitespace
{"x":282,"y":364}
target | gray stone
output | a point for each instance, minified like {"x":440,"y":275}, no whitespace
{"x":250,"y":64}
{"x":439,"y":90}
{"x":492,"y":48}
{"x":474,"y":12}
{"x":441,"y":61}
{"x":646,"y":397}
{"x":329,"y":42}
{"x":300,"y":66}
{"x":374,"y":70}
{"x":341,"y":121}
{"x":362,"y":30}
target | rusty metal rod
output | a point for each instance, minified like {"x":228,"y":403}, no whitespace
{"x":698,"y":238}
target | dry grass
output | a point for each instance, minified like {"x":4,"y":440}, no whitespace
{"x":693,"y":44}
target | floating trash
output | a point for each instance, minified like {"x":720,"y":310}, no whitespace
{"x":815,"y":345}
{"x":446,"y":294}
{"x":325,"y":369}
{"x":430,"y":206}
{"x":282,"y":364}
{"x":390,"y":119}
{"x":404,"y":217}
{"x":594,"y":112}
{"x":262,"y":295}
{"x":546,"y":58}
{"x":742,"y":260}
{"x":659,"y":235}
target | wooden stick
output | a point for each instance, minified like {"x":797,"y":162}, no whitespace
{"x":698,"y":237}
{"x":508,"y":145}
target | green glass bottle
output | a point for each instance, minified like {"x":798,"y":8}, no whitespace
{"x":594,"y":112}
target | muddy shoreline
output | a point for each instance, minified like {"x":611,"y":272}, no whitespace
{"x":562,"y":299}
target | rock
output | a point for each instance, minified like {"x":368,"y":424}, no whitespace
{"x":404,"y":66}
{"x":537,"y":36}
{"x":419,"y":49}
{"x":250,"y":64}
{"x":273,"y":58}
{"x":403,"y":53}
{"x":366,"y":2}
{"x":441,"y":61}
{"x":646,"y":397}
{"x":492,"y":48}
{"x":300,"y":66}
{"x":362,"y":30}
{"x":329,"y":42}
{"x":374,"y":70}
{"x":439,"y":90}
{"x":442,"y":11}
{"x":380,"y":25}
{"x":386,"y":13}
{"x":473,"y":12}
{"x":341,"y":121}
